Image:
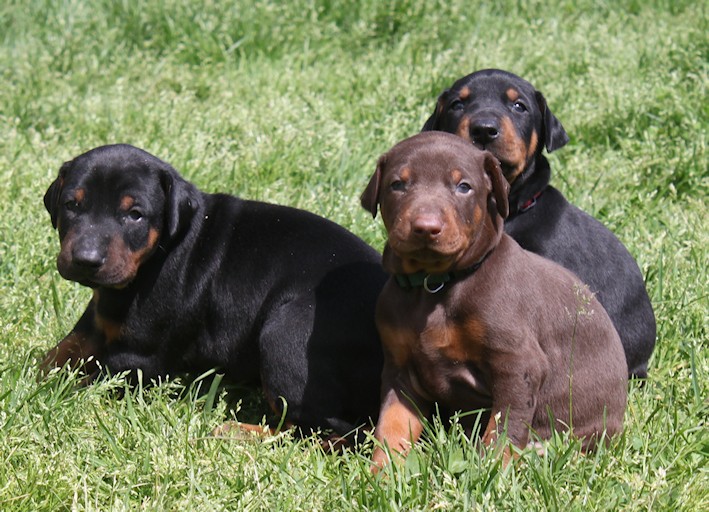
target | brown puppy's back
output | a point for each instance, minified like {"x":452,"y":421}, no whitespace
{"x":585,"y":359}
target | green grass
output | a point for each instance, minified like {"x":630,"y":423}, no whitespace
{"x":292,"y":103}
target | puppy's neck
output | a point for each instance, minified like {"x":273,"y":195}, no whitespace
{"x":112,"y":304}
{"x":533,"y":180}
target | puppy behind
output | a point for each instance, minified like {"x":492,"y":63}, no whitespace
{"x":185,"y":281}
{"x":504,"y":114}
{"x":470,"y":320}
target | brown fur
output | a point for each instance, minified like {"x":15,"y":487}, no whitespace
{"x":521,"y":335}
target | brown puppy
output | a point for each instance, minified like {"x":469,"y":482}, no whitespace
{"x":470,"y":320}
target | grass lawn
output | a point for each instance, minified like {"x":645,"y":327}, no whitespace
{"x":292,"y":102}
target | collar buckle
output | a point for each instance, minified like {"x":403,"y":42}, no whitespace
{"x":434,"y":290}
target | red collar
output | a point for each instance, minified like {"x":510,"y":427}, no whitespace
{"x":530,"y":203}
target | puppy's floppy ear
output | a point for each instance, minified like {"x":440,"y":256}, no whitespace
{"x":500,"y":186}
{"x":555,"y":136}
{"x":370,"y":197}
{"x":51,"y":197}
{"x":433,"y":122}
{"x":181,"y":201}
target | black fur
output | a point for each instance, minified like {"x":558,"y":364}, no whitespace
{"x":478,"y":107}
{"x":269,"y":294}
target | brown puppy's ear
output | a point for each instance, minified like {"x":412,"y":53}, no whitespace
{"x":433,"y":122}
{"x":181,"y":201}
{"x":51,"y":197}
{"x":370,"y":197}
{"x":500,"y":186}
{"x":555,"y":136}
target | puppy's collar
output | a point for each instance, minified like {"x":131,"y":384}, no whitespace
{"x":434,"y":283}
{"x":530,"y":203}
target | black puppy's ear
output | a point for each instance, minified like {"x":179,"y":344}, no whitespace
{"x":555,"y":136}
{"x":433,"y":122}
{"x":51,"y":197}
{"x":500,"y":186}
{"x":181,"y":201}
{"x":370,"y":197}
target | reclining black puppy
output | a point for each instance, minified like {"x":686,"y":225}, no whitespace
{"x":186,"y":281}
{"x":501,"y":112}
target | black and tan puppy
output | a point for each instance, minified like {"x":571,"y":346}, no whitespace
{"x":185,"y":281}
{"x":504,"y":114}
{"x":458,"y":324}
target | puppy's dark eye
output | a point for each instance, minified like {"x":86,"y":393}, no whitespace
{"x":135,"y":215}
{"x":519,"y":106}
{"x":463,"y":187}
{"x":456,"y":105}
{"x":72,"y":205}
{"x":398,"y":186}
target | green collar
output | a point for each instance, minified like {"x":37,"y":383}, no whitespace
{"x":433,"y":283}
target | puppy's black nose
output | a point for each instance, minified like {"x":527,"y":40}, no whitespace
{"x":484,"y":131}
{"x":88,"y":258}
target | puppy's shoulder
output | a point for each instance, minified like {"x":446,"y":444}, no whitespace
{"x":528,"y":267}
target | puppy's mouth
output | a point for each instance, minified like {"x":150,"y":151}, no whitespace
{"x":481,"y":145}
{"x":424,"y":259}
{"x":114,"y":265}
{"x":99,"y":277}
{"x":97,"y":280}
{"x":116,"y":284}
{"x":508,"y":168}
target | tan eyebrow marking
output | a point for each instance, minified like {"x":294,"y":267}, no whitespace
{"x":512,"y":94}
{"x":127,"y":202}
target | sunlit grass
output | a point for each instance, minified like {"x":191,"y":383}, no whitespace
{"x":293,"y":103}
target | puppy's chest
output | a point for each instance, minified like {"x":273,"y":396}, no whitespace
{"x":142,"y":323}
{"x":442,"y":351}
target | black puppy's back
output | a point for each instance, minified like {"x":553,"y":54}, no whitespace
{"x":506,"y":115}
{"x":552,"y":229}
{"x":280,"y":297}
